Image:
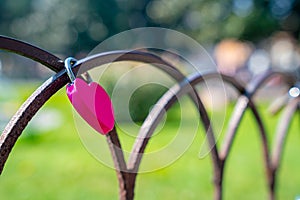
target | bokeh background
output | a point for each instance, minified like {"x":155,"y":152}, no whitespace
{"x":244,"y":37}
{"x":245,"y":31}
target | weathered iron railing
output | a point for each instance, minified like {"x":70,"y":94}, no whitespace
{"x":127,"y":172}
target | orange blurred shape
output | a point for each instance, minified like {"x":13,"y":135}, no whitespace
{"x":231,"y":55}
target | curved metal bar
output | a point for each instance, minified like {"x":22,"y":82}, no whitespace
{"x":259,"y":80}
{"x":265,"y":145}
{"x":243,"y":102}
{"x":164,"y":103}
{"x":251,"y":90}
{"x":167,"y":68}
{"x":29,"y":108}
{"x":126,"y":180}
{"x":19,"y":121}
{"x":21,"y":118}
{"x":123,"y":55}
{"x":127,"y":173}
{"x":281,"y":133}
{"x":236,"y":117}
{"x":28,"y":50}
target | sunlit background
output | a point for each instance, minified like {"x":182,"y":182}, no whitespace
{"x":244,"y":37}
{"x":260,"y":31}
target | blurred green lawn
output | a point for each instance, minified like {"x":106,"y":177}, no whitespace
{"x":55,"y":165}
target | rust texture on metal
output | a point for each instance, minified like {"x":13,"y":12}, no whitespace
{"x":128,"y":171}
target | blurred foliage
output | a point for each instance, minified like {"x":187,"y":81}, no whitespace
{"x":73,"y":27}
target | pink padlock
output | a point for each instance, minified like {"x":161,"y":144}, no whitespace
{"x":90,"y":100}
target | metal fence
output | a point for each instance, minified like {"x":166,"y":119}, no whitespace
{"x":128,"y":171}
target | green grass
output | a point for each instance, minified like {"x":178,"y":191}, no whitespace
{"x":56,"y":165}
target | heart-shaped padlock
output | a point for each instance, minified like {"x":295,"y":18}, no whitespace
{"x":91,"y":101}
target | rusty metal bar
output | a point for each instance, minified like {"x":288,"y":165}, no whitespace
{"x":29,"y":108}
{"x":127,"y":173}
{"x":243,"y":102}
{"x":165,"y":102}
{"x":35,"y":53}
{"x":52,"y":85}
{"x":125,"y":179}
{"x":17,"y":124}
{"x":280,"y":137}
{"x":236,"y":117}
{"x":154,"y":117}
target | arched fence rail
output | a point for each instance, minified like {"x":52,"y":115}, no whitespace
{"x":127,"y":171}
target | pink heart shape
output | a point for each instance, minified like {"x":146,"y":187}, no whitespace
{"x":93,"y":104}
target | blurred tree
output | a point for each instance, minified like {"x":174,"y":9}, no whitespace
{"x":67,"y":27}
{"x":71,"y":27}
